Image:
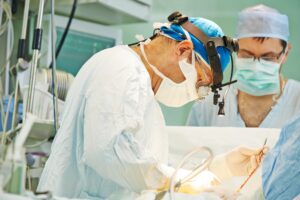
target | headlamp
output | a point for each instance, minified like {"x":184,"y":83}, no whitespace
{"x":211,"y":44}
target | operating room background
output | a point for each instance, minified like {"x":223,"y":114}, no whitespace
{"x":222,"y":12}
{"x":225,"y":14}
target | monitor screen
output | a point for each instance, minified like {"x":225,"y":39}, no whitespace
{"x":83,"y":40}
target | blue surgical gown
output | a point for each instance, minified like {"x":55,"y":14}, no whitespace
{"x":112,"y":139}
{"x":281,"y":166}
{"x":204,"y":113}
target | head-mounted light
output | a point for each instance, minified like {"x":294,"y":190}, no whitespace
{"x":211,"y":44}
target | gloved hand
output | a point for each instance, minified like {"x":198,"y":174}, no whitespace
{"x":223,"y":192}
{"x":240,"y":161}
{"x":200,"y":183}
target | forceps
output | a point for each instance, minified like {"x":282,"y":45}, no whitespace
{"x":260,"y":155}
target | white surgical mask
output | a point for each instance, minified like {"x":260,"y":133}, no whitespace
{"x":174,"y":94}
{"x":257,"y":78}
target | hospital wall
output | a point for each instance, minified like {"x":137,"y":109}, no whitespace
{"x":223,"y":13}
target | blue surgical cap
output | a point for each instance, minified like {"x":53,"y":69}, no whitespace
{"x":262,"y":21}
{"x":210,"y":28}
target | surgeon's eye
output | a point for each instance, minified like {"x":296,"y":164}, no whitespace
{"x":245,"y":55}
{"x":267,"y":58}
{"x":270,"y":58}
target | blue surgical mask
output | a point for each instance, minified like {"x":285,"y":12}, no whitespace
{"x":257,"y":78}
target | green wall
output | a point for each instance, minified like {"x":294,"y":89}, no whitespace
{"x":223,"y":13}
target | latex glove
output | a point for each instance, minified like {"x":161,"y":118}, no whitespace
{"x":240,"y":161}
{"x":204,"y":180}
{"x":223,"y":192}
{"x":200,"y":183}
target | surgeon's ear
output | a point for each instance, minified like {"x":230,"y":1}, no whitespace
{"x":289,"y":47}
{"x":184,"y":49}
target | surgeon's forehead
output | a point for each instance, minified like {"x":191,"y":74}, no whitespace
{"x":258,"y":46}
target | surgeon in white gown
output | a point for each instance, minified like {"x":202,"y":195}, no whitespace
{"x":262,"y":97}
{"x":112,"y":139}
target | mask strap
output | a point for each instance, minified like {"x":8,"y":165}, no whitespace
{"x":282,"y":83}
{"x":194,"y":55}
{"x":283,"y":57}
{"x":203,"y":60}
{"x":166,"y":35}
{"x":189,"y":39}
{"x":152,"y":67}
{"x":193,"y":52}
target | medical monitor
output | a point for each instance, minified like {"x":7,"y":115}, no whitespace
{"x":83,"y":40}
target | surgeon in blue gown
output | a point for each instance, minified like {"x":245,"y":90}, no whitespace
{"x":262,"y":97}
{"x":281,"y":166}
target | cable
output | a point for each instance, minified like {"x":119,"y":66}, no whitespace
{"x":62,"y":40}
{"x":7,"y":25}
{"x":9,"y":49}
{"x":221,"y":111}
{"x":138,"y":42}
{"x":54,"y":74}
{"x":232,"y":68}
{"x":7,"y":10}
{"x":230,"y":79}
{"x":4,"y":124}
{"x":2,"y":112}
{"x":1,"y":13}
{"x":2,"y":68}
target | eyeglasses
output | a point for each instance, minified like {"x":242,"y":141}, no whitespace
{"x":205,"y":71}
{"x":273,"y":57}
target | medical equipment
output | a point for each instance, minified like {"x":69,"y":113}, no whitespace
{"x":13,"y":166}
{"x":21,"y":60}
{"x":7,"y":26}
{"x":84,"y":39}
{"x":175,"y":186}
{"x":34,"y":131}
{"x":43,"y":103}
{"x":53,"y":66}
{"x":36,"y":49}
{"x":210,"y":44}
{"x":14,"y":182}
{"x":261,"y":154}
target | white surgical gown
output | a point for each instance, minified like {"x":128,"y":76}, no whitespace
{"x":204,"y":113}
{"x":112,"y":137}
